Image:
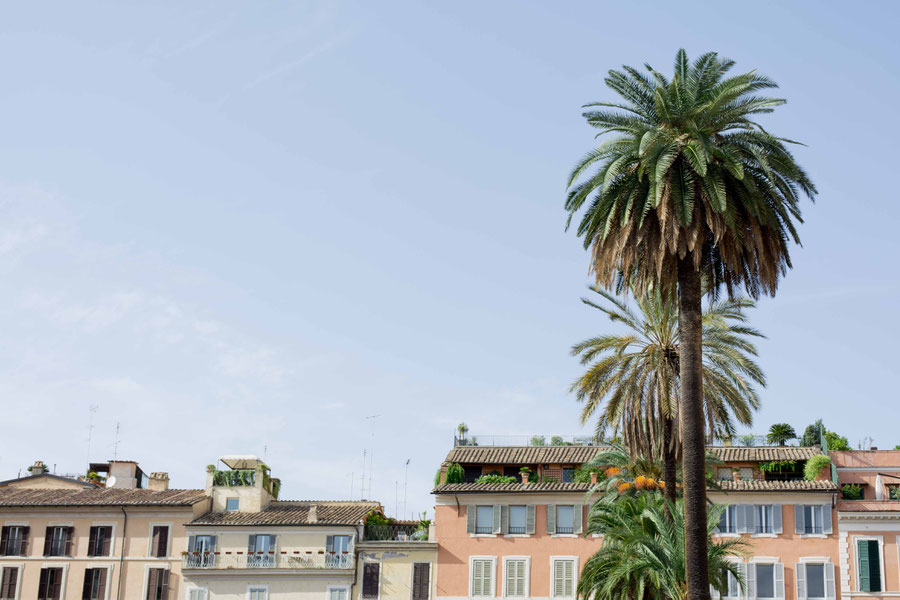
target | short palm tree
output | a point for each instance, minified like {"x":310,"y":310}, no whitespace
{"x":643,"y":552}
{"x":632,"y":382}
{"x":690,"y":186}
{"x":780,"y":433}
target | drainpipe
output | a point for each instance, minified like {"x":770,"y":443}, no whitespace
{"x":122,"y":552}
{"x":360,"y":527}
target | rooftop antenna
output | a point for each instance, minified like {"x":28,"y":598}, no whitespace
{"x":352,"y":477}
{"x":116,"y":444}
{"x":362,"y":479}
{"x":265,"y":450}
{"x":372,"y":452}
{"x":405,"y":473}
{"x":396,"y":496}
{"x":91,"y":410}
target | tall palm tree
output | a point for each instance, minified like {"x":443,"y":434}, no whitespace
{"x":643,"y":551}
{"x":691,"y":186}
{"x":632,"y":382}
{"x":780,"y":433}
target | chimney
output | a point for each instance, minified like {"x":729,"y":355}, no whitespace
{"x":158,"y":482}
{"x":593,"y":477}
{"x":38,"y":468}
{"x":313,"y":516}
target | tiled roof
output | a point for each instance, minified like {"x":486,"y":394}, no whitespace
{"x":293,"y":513}
{"x":13,"y":496}
{"x":756,"y":485}
{"x":531,"y":455}
{"x":865,"y":459}
{"x":869,"y":506}
{"x":463,"y":488}
{"x":763,"y":453}
{"x":525,"y":455}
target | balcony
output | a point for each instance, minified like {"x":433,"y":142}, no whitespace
{"x":268,"y":560}
{"x":396,"y":532}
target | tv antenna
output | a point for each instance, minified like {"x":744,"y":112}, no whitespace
{"x":116,"y":444}
{"x":91,"y":410}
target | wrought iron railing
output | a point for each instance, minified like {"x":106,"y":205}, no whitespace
{"x":526,"y":440}
{"x":396,"y":532}
{"x":268,"y":560}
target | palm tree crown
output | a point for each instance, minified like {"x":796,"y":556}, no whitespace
{"x":632,"y":380}
{"x":690,"y":174}
{"x":780,"y":433}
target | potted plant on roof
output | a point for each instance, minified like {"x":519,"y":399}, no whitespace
{"x":736,"y":473}
{"x":462,"y":429}
{"x":525,"y":472}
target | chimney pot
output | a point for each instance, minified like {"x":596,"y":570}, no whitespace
{"x":593,"y":478}
{"x":313,"y":516}
{"x":38,"y":468}
{"x":159,"y":481}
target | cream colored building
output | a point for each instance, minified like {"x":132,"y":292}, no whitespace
{"x":396,"y":562}
{"x":252,"y":546}
{"x":65,"y":539}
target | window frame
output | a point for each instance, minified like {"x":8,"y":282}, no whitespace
{"x":766,"y":563}
{"x":817,"y":512}
{"x":807,"y":579}
{"x":255,"y":586}
{"x":527,"y":583}
{"x":146,"y":585}
{"x":764,"y":513}
{"x":64,"y":567}
{"x":192,"y":587}
{"x":412,"y":578}
{"x":730,"y":517}
{"x":362,"y":584}
{"x":112,"y":538}
{"x":881,"y":567}
{"x":490,"y":528}
{"x":109,"y":571}
{"x":571,"y":529}
{"x":20,"y":568}
{"x":23,"y":547}
{"x":331,"y":588}
{"x":237,"y":500}
{"x":524,"y":527}
{"x":153,"y":524}
{"x":575,"y":573}
{"x":493,"y":562}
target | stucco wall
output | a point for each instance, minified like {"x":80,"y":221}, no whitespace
{"x":396,"y":569}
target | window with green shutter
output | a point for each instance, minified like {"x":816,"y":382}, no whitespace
{"x":868,"y":560}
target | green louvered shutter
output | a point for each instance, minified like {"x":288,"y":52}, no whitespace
{"x":862,"y":549}
{"x":470,"y":518}
{"x":529,"y":519}
{"x":551,"y":518}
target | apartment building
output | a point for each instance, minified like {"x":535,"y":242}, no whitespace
{"x":64,"y":539}
{"x":869,"y":522}
{"x":396,"y":561}
{"x":527,"y":539}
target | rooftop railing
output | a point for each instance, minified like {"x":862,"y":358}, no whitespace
{"x":526,"y":440}
{"x":268,"y":560}
{"x":405,"y":532}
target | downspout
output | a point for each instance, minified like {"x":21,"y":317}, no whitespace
{"x":359,"y":528}
{"x":122,"y":552}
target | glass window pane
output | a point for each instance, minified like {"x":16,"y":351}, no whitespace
{"x":815,"y":581}
{"x":484,"y":519}
{"x":517,"y":519}
{"x":565,"y":519}
{"x":765,"y":581}
{"x":232,"y":503}
{"x":734,"y":587}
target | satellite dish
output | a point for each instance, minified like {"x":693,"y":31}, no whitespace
{"x":111,"y":481}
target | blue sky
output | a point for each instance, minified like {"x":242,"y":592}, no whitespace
{"x":237,"y":228}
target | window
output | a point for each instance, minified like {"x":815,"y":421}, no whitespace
{"x":257,"y":592}
{"x":747,"y":473}
{"x":815,"y":580}
{"x":58,"y":541}
{"x":198,"y":594}
{"x":723,"y":473}
{"x":94,"y":584}
{"x":815,"y":518}
{"x":568,"y":474}
{"x":201,"y":551}
{"x":517,"y":519}
{"x":482,"y":577}
{"x":337,"y":551}
{"x":764,"y":518}
{"x":338,"y":593}
{"x":765,"y":581}
{"x":734,"y":586}
{"x":261,"y":551}
{"x":421,"y":581}
{"x":9,"y":582}
{"x":484,"y":519}
{"x":14,"y":540}
{"x":232,"y":504}
{"x":159,"y":541}
{"x":371,"y":578}
{"x":565,"y":519}
{"x":472,"y":473}
{"x":157,"y":584}
{"x":516,"y":577}
{"x":893,"y":490}
{"x":50,"y":584}
{"x":100,"y":540}
{"x":868,"y":559}
{"x":563,"y":585}
{"x":728,"y":520}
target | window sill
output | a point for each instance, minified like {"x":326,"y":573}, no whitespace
{"x":764,"y":535}
{"x":820,"y":536}
{"x":564,"y":535}
{"x":483,"y":535}
{"x":518,"y":535}
{"x":727,"y":535}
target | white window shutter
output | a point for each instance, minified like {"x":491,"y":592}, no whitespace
{"x":511,"y":578}
{"x":471,"y":510}
{"x":776,"y":518}
{"x":751,"y":518}
{"x":799,"y":525}
{"x":569,"y":568}
{"x":741,"y":517}
{"x":477,"y":577}
{"x":829,"y":581}
{"x":504,"y":519}
{"x":779,"y":580}
{"x":579,"y":517}
{"x":529,"y":519}
{"x":714,"y":593}
{"x":551,"y":518}
{"x":826,"y":518}
{"x":495,"y":518}
{"x":751,"y":581}
{"x":801,"y":581}
{"x":742,"y":582}
{"x":557,"y":579}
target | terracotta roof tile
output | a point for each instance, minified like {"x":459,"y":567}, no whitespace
{"x":531,"y":455}
{"x":462,"y":488}
{"x":12,"y":496}
{"x":293,"y":513}
{"x":757,"y":485}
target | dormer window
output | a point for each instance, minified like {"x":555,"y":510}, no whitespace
{"x":232,"y":504}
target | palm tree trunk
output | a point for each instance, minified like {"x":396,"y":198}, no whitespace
{"x":690,"y":339}
{"x":670,"y":466}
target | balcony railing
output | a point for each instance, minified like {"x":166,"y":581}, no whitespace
{"x":268,"y":560}
{"x":402,"y":532}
